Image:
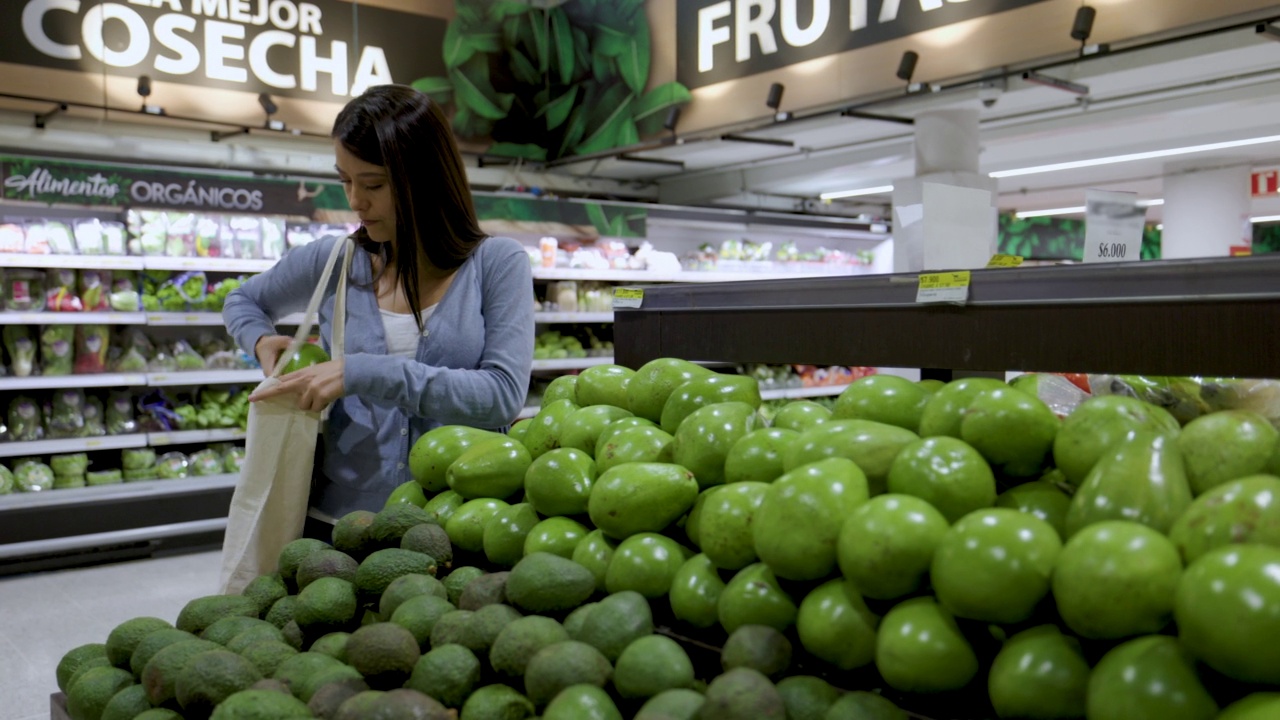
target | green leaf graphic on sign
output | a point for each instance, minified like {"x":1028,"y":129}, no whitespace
{"x":457,"y":46}
{"x":522,"y":69}
{"x":503,"y":9}
{"x":598,"y":219}
{"x":562,"y":39}
{"x":606,"y":135}
{"x":634,"y":62}
{"x":557,"y":111}
{"x":528,"y":151}
{"x":627,"y":134}
{"x":610,"y":42}
{"x":652,"y":109}
{"x":575,"y":129}
{"x":439,"y":89}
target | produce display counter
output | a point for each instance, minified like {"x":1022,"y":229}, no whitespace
{"x":1206,"y":317}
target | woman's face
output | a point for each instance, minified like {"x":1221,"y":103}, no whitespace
{"x":368,"y":189}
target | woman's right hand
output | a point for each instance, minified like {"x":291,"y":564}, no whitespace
{"x":269,"y":349}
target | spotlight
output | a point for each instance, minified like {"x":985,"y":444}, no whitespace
{"x":673,"y":118}
{"x":774,"y":101}
{"x":1268,"y":31}
{"x":1055,"y":83}
{"x":1083,"y":26}
{"x":907,"y":66}
{"x":144,"y":90}
{"x":270,"y":108}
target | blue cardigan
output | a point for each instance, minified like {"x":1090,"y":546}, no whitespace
{"x":472,"y":366}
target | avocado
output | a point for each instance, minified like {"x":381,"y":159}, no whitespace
{"x":160,"y":676}
{"x":758,"y":647}
{"x":520,"y":640}
{"x":391,"y":523}
{"x":505,"y":533}
{"x":326,"y":563}
{"x":93,"y":690}
{"x":351,"y":533}
{"x":307,"y":688}
{"x":695,"y":592}
{"x":632,"y":444}
{"x":582,"y":702}
{"x":292,"y":555}
{"x":594,"y":552}
{"x":268,"y":655}
{"x":742,"y":693}
{"x":542,"y":583}
{"x":326,"y":605}
{"x":124,"y":639}
{"x":807,"y":697}
{"x":603,"y":385}
{"x":334,"y":645}
{"x":433,"y":453}
{"x":203,"y":612}
{"x":574,"y":621}
{"x":254,"y":634}
{"x":127,"y":704}
{"x":496,"y":702}
{"x":361,"y":706}
{"x":708,"y":390}
{"x":651,"y":386}
{"x":555,"y":535}
{"x":753,"y":597}
{"x":293,"y":636}
{"x":866,"y":705}
{"x":581,"y":430}
{"x":153,"y":643}
{"x":448,"y":673}
{"x":494,"y":468}
{"x":419,"y":614}
{"x":564,"y":387}
{"x":382,"y":567}
{"x":158,"y":714}
{"x":212,"y":677}
{"x":384,"y":653}
{"x":282,"y":610}
{"x":485,"y":625}
{"x":616,"y":622}
{"x":406,"y":703}
{"x":871,"y":445}
{"x":224,"y":630}
{"x":817,"y":497}
{"x":488,"y":589}
{"x":758,"y":455}
{"x":466,"y":526}
{"x":672,"y":705}
{"x":442,"y":507}
{"x":326,"y":701}
{"x":641,"y":497}
{"x":78,"y":657}
{"x":408,"y":586}
{"x":264,"y":591}
{"x":646,"y":563}
{"x":558,"y":666}
{"x":450,"y":628}
{"x":295,"y":670}
{"x":429,"y":539}
{"x":704,"y":438}
{"x":259,"y":705}
{"x":543,"y":435}
{"x":458,"y":580}
{"x":651,"y":665}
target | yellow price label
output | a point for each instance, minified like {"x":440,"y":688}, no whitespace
{"x":627,"y":297}
{"x":943,"y":287}
{"x":1000,"y":260}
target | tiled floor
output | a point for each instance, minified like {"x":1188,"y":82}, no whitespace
{"x":44,"y":615}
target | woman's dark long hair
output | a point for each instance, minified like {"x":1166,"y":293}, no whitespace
{"x":400,"y":128}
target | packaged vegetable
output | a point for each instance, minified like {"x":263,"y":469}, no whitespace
{"x":64,"y":482}
{"x":60,"y":291}
{"x":171,"y":466}
{"x":186,"y":356}
{"x":216,"y":299}
{"x":26,"y":422}
{"x":92,"y":343}
{"x":21,"y":346}
{"x":89,"y":237}
{"x":147,"y":473}
{"x":24,"y":290}
{"x":37,"y":242}
{"x":162,"y":362}
{"x":104,"y":477}
{"x":247,"y":230}
{"x":72,"y":464}
{"x":13,"y":238}
{"x":232,"y":460}
{"x":57,"y":347}
{"x":94,"y":423}
{"x":120,"y":421}
{"x":115,"y":238}
{"x":156,"y":414}
{"x":273,"y":237}
{"x":124,"y":293}
{"x":93,"y":286}
{"x":181,"y":236}
{"x":66,"y":414}
{"x":33,"y":477}
{"x":58,"y":235}
{"x":131,"y":360}
{"x":205,"y":462}
{"x":7,"y":484}
{"x":208,"y":230}
{"x":139,"y":459}
{"x":20,"y":461}
{"x":151,"y":229}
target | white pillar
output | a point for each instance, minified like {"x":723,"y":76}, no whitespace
{"x":957,"y":229}
{"x":1206,"y":209}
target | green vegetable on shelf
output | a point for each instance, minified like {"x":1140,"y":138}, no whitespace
{"x":105,"y":477}
{"x":171,"y":466}
{"x":65,"y":482}
{"x":139,"y":459}
{"x":57,"y":349}
{"x":205,"y":462}
{"x":74,"y":464}
{"x":147,"y":473}
{"x":7,"y":483}
{"x":26,"y":421}
{"x":232,"y":460}
{"x":21,"y":347}
{"x":33,"y":477}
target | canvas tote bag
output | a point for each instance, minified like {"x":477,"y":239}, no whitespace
{"x":269,"y":505}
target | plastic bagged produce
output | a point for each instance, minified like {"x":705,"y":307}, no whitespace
{"x":33,"y":477}
{"x":72,"y":464}
{"x":138,"y":459}
{"x":64,"y":482}
{"x":214,"y":301}
{"x":57,"y":348}
{"x":20,"y":344}
{"x":65,"y":416}
{"x":24,"y":290}
{"x":247,"y":231}
{"x":208,"y":236}
{"x":104,"y":477}
{"x":94,"y":287}
{"x":232,"y":460}
{"x":26,"y":421}
{"x":180,"y":239}
{"x":147,"y":473}
{"x":186,"y":356}
{"x":7,"y":484}
{"x":205,"y":462}
{"x":60,"y":238}
{"x":13,"y":238}
{"x":156,"y":413}
{"x":90,"y":238}
{"x":60,"y":291}
{"x":92,"y":344}
{"x":1187,"y":398}
{"x":171,"y":466}
{"x":94,"y":424}
{"x":120,"y":421}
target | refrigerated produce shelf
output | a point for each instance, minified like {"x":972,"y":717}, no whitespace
{"x":571,"y":363}
{"x":552,"y":318}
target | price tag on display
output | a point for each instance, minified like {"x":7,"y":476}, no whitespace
{"x":945,"y":287}
{"x":1004,"y":261}
{"x":627,"y":297}
{"x":1113,"y":226}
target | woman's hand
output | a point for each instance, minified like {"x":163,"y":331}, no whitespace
{"x":269,"y":349}
{"x":315,"y":386}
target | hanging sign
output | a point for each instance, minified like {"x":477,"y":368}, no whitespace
{"x":1266,"y":182}
{"x":1113,"y":226}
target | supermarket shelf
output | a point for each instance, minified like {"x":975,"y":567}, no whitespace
{"x":78,"y":262}
{"x":685,"y":276}
{"x":1202,"y":317}
{"x":72,"y":445}
{"x":549,"y":318}
{"x":220,"y":265}
{"x":571,"y":363}
{"x":200,"y":319}
{"x":51,"y":546}
{"x":71,"y":318}
{"x":117,"y":492}
{"x":205,"y":377}
{"x":802,"y":392}
{"x":528,"y":412}
{"x":52,"y":382}
{"x":193,"y":437}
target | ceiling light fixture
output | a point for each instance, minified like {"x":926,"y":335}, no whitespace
{"x":774,"y":102}
{"x":270,"y":108}
{"x":1082,"y":28}
{"x":1056,"y":83}
{"x":1150,"y":203}
{"x":1265,"y":219}
{"x":1049,"y":213}
{"x":879,"y":190}
{"x":144,"y":91}
{"x":1269,"y":31}
{"x":1133,"y":157}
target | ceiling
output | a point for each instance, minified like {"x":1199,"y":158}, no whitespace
{"x":1217,"y":86}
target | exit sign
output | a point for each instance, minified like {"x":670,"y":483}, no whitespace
{"x":1266,"y":182}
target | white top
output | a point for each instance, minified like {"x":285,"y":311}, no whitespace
{"x":402,"y":332}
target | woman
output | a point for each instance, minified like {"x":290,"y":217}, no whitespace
{"x":439,"y":317}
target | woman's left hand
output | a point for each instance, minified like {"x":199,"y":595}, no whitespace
{"x":315,"y":386}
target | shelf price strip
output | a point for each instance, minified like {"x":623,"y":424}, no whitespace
{"x":627,"y":297}
{"x":944,"y":287}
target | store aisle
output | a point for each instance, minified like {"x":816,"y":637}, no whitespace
{"x":44,"y":615}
